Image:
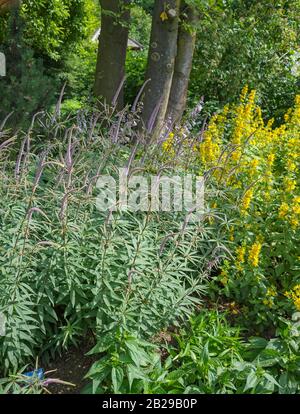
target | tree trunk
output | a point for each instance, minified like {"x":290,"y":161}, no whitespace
{"x":113,"y":39}
{"x":183,"y":64}
{"x":160,"y":67}
{"x":6,"y":5}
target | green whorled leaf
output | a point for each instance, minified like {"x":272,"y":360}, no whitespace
{"x":98,"y":367}
{"x":271,"y":379}
{"x":257,"y":342}
{"x":117,"y":376}
{"x":133,"y":373}
{"x":101,"y":346}
{"x":137,"y":353}
{"x":251,"y":382}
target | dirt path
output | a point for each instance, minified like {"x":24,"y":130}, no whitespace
{"x":72,"y":367}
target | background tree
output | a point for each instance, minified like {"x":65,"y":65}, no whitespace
{"x":113,"y":39}
{"x":52,"y":28}
{"x":136,"y":60}
{"x":183,"y":64}
{"x":161,"y":60}
{"x":6,"y":5}
{"x":247,"y":42}
{"x":39,"y":42}
{"x":26,"y":88}
{"x":147,"y":5}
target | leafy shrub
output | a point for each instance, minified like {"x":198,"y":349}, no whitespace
{"x":257,"y":168}
{"x":127,"y":365}
{"x":67,"y":267}
{"x":247,"y":42}
{"x":209,"y":357}
{"x":26,"y":89}
{"x":136,"y":62}
{"x":53,"y":28}
{"x":79,"y":72}
{"x":203,"y":359}
{"x":279,"y":356}
{"x":212,"y":358}
{"x":140,"y":27}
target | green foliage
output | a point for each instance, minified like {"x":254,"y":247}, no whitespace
{"x":147,"y":5}
{"x":140,"y":26}
{"x":65,"y":267}
{"x":79,"y":70}
{"x":52,"y":26}
{"x":126,"y":367}
{"x":26,"y":88}
{"x":136,"y":62}
{"x":247,"y":43}
{"x":209,"y":358}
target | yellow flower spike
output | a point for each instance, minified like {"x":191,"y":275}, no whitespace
{"x":270,"y":123}
{"x":294,"y":222}
{"x":244,"y":93}
{"x":283,"y":210}
{"x":241,"y":250}
{"x":224,"y":277}
{"x":296,"y":209}
{"x":247,"y":200}
{"x":271,"y":159}
{"x":297,"y":303}
{"x":254,"y":163}
{"x":291,"y":166}
{"x":231,"y":233}
{"x":233,"y":308}
{"x":254,"y":253}
{"x":289,"y":184}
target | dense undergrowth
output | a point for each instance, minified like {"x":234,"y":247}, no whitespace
{"x":257,"y":168}
{"x":128,"y":277}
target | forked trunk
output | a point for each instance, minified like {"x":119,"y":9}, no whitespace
{"x":113,"y":39}
{"x":161,"y":59}
{"x":183,"y":64}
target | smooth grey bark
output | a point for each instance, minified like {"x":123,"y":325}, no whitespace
{"x":160,"y":66}
{"x":113,"y":39}
{"x":183,"y":63}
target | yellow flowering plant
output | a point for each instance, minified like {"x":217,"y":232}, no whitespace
{"x":256,"y":167}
